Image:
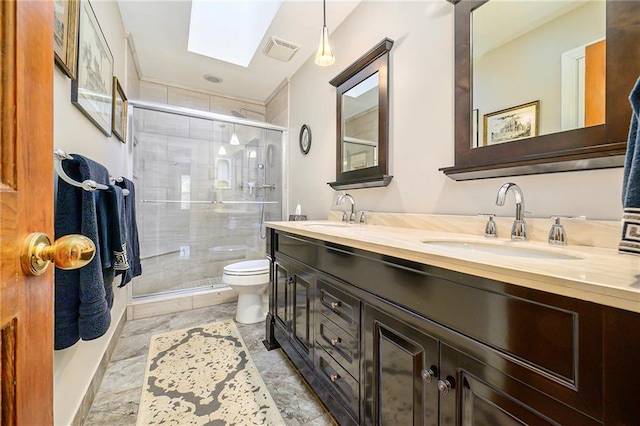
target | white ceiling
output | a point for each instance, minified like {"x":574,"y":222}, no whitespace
{"x":160,"y":30}
{"x":498,"y":22}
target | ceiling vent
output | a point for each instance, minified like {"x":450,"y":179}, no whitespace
{"x":279,"y":49}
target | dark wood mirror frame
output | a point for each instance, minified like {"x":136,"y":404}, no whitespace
{"x":594,"y":147}
{"x":375,"y":60}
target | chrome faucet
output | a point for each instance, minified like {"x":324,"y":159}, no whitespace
{"x":352,"y":216}
{"x":519,"y":228}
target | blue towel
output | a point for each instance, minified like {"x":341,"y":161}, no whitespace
{"x":81,"y":306}
{"x":112,"y":236}
{"x":630,"y":242}
{"x":131,"y":225}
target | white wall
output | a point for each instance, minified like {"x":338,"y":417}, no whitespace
{"x":74,"y":367}
{"x":535,"y":59}
{"x":421,"y":128}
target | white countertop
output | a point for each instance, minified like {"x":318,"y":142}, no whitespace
{"x":600,"y":275}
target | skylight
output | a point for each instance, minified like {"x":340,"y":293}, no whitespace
{"x":230,"y":30}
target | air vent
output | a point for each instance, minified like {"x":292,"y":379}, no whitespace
{"x":279,"y":49}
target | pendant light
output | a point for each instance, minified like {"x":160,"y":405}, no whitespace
{"x":234,"y":137}
{"x":324,"y":55}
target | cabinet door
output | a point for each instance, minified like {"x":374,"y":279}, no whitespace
{"x":282,"y":294}
{"x":302,"y":328}
{"x":402,"y":369}
{"x":473,"y":393}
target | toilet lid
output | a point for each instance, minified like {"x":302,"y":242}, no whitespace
{"x":250,"y":267}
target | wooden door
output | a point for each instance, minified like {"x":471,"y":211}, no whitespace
{"x":475,"y":393}
{"x":26,"y":205}
{"x":282,"y":294}
{"x":401,"y":386}
{"x":302,"y":310}
{"x":595,"y":83}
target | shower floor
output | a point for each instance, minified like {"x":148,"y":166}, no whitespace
{"x":197,"y":267}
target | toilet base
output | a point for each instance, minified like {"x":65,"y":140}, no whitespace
{"x":249,"y":310}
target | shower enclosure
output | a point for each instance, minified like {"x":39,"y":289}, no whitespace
{"x":205,"y":184}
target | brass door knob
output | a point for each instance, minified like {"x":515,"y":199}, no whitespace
{"x":68,"y":252}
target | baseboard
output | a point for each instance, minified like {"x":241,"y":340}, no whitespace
{"x":90,"y":395}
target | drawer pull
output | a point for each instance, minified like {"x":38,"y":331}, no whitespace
{"x":335,"y":341}
{"x":336,"y":305}
{"x":334,"y":377}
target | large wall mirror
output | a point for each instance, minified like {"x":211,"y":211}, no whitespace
{"x":542,"y":86}
{"x":362,"y":117}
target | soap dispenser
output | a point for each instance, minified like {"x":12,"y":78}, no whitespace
{"x":557,"y":236}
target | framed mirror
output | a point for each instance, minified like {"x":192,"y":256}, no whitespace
{"x":509,"y":120}
{"x":362,"y":121}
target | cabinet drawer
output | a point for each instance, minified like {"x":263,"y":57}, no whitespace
{"x":346,"y":387}
{"x":339,"y":307}
{"x":342,"y":346}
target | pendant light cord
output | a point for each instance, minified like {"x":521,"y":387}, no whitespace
{"x":324,"y":13}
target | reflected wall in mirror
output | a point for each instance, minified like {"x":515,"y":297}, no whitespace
{"x":362,"y":121}
{"x":551,"y":51}
{"x":360,"y":125}
{"x":592,"y":146}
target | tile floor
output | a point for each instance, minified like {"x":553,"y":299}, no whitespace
{"x":116,"y":401}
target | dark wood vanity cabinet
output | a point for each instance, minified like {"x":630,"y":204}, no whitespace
{"x":292,"y":293}
{"x":386,"y":341}
{"x":401,"y":372}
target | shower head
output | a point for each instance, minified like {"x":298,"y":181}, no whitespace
{"x":260,"y":166}
{"x":244,"y":115}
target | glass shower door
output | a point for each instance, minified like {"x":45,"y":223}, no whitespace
{"x":201,"y":197}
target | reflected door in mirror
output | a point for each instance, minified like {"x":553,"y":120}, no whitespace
{"x":360,"y":125}
{"x":551,"y":52}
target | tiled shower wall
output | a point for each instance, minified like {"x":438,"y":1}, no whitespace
{"x":179,"y":158}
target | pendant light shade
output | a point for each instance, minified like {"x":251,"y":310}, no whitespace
{"x":234,"y":137}
{"x":324,"y":55}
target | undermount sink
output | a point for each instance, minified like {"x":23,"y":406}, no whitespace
{"x":503,"y":249}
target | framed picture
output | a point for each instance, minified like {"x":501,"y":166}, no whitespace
{"x":474,"y":129}
{"x":92,"y":90}
{"x":511,"y":124}
{"x":65,"y":35}
{"x":120,"y":103}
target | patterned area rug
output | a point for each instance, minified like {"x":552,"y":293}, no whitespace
{"x":204,"y":376}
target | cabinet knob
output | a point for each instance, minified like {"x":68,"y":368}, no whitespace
{"x":428,"y":375}
{"x":335,"y":341}
{"x":334,"y":377}
{"x":444,"y":386}
{"x":337,"y":304}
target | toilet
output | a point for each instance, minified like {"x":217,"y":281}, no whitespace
{"x":249,"y":279}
